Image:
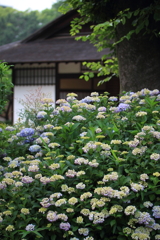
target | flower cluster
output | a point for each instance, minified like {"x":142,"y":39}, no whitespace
{"x":26,"y":132}
{"x":89,"y":169}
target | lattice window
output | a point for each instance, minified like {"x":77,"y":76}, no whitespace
{"x":34,"y":76}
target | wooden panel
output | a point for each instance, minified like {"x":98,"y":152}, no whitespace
{"x":113,"y":86}
{"x":74,"y":83}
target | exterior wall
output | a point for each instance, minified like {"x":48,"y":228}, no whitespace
{"x":22,"y":93}
{"x":69,"y":68}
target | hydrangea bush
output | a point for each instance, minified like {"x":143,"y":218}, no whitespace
{"x":87,"y":170}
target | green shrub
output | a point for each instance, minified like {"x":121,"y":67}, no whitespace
{"x":89,"y":170}
{"x":4,"y":136}
{"x":5,"y":85}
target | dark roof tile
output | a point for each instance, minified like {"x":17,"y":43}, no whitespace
{"x":51,"y":50}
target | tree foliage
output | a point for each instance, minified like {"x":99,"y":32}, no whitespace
{"x":5,"y":85}
{"x":16,"y":25}
{"x":106,"y":16}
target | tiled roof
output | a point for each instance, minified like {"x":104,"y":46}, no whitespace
{"x":50,"y":50}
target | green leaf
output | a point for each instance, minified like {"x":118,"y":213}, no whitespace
{"x":136,"y":12}
{"x":157,"y":15}
{"x":123,"y":20}
{"x":91,"y":74}
{"x":112,"y":222}
{"x":152,"y":197}
{"x":120,"y":238}
{"x":86,"y":77}
{"x":158,"y":192}
{"x":129,"y":15}
{"x":142,"y":195}
{"x":37,"y":233}
{"x":53,"y":237}
{"x":102,"y":234}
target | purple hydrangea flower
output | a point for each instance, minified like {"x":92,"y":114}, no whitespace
{"x":156,"y":211}
{"x":26,"y":132}
{"x":3,"y":185}
{"x":0,"y":129}
{"x":51,"y":216}
{"x":145,"y":218}
{"x":154,"y":92}
{"x":65,"y":226}
{"x":102,"y":109}
{"x":27,"y":179}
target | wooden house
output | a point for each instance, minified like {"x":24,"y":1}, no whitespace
{"x":52,"y":58}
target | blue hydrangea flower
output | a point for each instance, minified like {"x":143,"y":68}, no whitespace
{"x":29,"y":140}
{"x":113,"y":99}
{"x":154,"y":92}
{"x":65,"y":104}
{"x":41,"y":114}
{"x":26,"y":132}
{"x":0,"y":129}
{"x":10,"y":128}
{"x":129,"y":93}
{"x":30,"y":227}
{"x":34,"y":148}
{"x":13,"y":162}
{"x":55,"y":112}
{"x":122,"y":107}
{"x":87,"y":99}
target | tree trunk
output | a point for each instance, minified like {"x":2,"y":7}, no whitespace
{"x":139,"y":60}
